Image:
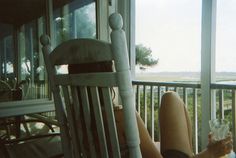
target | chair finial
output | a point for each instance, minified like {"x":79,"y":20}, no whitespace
{"x":116,"y":21}
{"x":44,"y":39}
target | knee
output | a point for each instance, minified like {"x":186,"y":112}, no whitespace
{"x":170,"y":96}
{"x":171,"y":100}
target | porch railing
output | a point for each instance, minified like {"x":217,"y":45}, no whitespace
{"x":148,"y":98}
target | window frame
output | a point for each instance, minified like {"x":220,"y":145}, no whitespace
{"x":208,"y":40}
{"x":21,"y":107}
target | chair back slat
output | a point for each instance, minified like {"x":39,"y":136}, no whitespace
{"x":87,"y":118}
{"x":108,"y":107}
{"x":71,"y":120}
{"x":78,"y":123}
{"x":99,"y":121}
{"x":82,"y":96}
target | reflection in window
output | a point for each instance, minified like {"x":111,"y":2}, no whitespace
{"x":6,"y":52}
{"x":85,"y":21}
{"x":75,"y":20}
{"x":30,"y":63}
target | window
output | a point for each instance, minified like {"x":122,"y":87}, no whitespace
{"x":75,"y":20}
{"x":172,"y":31}
{"x":30,"y":61}
{"x":225,"y":41}
{"x":21,"y":59}
{"x":7,"y":52}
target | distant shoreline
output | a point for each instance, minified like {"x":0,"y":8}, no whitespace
{"x":182,"y":76}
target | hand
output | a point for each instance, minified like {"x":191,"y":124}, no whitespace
{"x":220,"y":147}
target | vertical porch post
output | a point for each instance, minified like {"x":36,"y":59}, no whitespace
{"x":207,"y":66}
{"x":127,"y":10}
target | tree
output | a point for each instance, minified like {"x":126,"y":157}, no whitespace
{"x":144,"y":57}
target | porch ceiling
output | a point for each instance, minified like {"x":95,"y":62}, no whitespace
{"x":17,"y":12}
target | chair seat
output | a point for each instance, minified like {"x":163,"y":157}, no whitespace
{"x":38,"y":148}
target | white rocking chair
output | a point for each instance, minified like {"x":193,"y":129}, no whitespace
{"x":77,"y":98}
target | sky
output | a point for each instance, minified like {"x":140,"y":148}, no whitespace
{"x":172,"y":30}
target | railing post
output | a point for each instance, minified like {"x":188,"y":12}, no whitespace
{"x":195,"y":122}
{"x":221,"y":103}
{"x":138,"y":98}
{"x":234,"y":118}
{"x":152,"y":112}
{"x":185,"y":96}
{"x":145,"y":105}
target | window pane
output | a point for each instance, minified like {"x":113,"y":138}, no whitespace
{"x":23,"y":69}
{"x":75,"y":20}
{"x":85,"y":21}
{"x":31,"y":67}
{"x":172,"y":31}
{"x":6,"y":52}
{"x":225,"y":40}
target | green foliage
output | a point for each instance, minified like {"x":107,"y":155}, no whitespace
{"x":147,"y":99}
{"x":144,"y":56}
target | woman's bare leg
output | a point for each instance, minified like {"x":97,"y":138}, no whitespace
{"x":176,"y":130}
{"x":175,"y":125}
